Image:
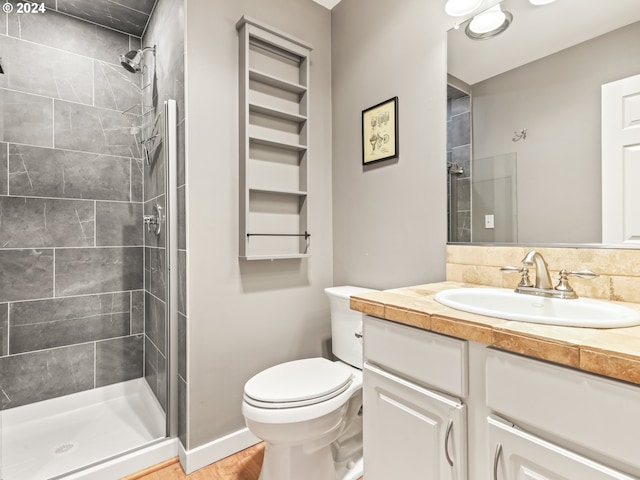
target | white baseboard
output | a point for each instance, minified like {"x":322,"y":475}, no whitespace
{"x":199,"y":457}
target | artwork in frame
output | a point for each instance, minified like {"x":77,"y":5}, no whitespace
{"x":380,"y":132}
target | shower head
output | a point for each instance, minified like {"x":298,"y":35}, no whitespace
{"x":132,"y":60}
{"x":454,"y":169}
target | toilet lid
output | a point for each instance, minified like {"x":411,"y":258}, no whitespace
{"x":298,"y":381}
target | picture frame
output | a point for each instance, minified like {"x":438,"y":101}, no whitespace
{"x":380,"y":132}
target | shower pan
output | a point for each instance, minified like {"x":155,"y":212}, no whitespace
{"x":88,"y":297}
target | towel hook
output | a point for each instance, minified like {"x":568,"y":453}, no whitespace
{"x":519,"y":135}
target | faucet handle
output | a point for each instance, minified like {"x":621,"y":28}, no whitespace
{"x":563,"y":281}
{"x":586,"y":274}
{"x":524,"y":275}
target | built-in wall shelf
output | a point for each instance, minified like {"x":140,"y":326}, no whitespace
{"x":274,"y":151}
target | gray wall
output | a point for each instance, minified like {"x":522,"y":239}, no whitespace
{"x":246,"y":316}
{"x":390,"y":225}
{"x":71,"y":257}
{"x":558,"y":100}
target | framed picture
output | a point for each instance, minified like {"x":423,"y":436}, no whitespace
{"x":380,"y":132}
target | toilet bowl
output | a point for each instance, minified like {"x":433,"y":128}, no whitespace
{"x":308,"y":411}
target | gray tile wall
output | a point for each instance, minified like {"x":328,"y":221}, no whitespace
{"x":72,"y":299}
{"x":166,"y":31}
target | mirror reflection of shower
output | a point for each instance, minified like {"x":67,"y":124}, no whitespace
{"x":455,"y":169}
{"x":458,"y":163}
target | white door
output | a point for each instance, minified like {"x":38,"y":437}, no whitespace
{"x":411,"y":432}
{"x":518,"y":455}
{"x":621,"y":161}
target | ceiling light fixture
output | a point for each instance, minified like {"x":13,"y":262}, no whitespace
{"x":458,"y":8}
{"x":488,"y":24}
{"x":541,"y":2}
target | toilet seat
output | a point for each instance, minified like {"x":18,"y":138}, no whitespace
{"x":298,"y":383}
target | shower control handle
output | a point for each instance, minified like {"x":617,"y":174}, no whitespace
{"x":154,"y":221}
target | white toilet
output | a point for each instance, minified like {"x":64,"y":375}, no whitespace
{"x":306,"y":411}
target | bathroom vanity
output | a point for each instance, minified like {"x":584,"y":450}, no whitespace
{"x":455,"y":395}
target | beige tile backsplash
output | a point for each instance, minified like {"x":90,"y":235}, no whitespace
{"x":619,"y":269}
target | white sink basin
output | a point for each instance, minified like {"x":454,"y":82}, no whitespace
{"x":504,"y":303}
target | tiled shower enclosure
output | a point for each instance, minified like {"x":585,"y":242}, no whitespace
{"x":71,"y":239}
{"x":82,"y":285}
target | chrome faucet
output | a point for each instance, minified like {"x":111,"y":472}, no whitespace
{"x":542,"y":285}
{"x":543,"y":280}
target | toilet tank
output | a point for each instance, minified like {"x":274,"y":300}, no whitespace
{"x":346,"y":324}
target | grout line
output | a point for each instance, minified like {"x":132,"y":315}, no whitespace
{"x":74,"y":296}
{"x":93,"y":82}
{"x":53,"y":122}
{"x":53,"y":269}
{"x":82,"y":20}
{"x":8,"y":176}
{"x":95,"y":223}
{"x":95,"y":364}
{"x":8,"y":329}
{"x":130,"y":313}
{"x":154,"y":296}
{"x":57,"y":247}
{"x":94,"y":342}
{"x":74,"y":199}
{"x":97,"y":154}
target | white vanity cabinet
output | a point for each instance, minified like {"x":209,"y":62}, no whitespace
{"x":412,"y":428}
{"x":562,"y":423}
{"x":437,"y":407}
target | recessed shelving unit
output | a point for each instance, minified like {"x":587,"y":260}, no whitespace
{"x":274,"y":148}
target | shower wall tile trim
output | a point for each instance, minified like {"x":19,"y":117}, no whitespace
{"x":72,"y":299}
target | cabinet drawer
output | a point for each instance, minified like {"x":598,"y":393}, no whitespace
{"x":576,"y":408}
{"x":518,"y":454}
{"x":423,"y":357}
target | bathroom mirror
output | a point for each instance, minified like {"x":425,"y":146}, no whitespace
{"x":524,"y":147}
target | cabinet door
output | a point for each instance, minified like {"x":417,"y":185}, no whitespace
{"x":518,"y":455}
{"x":411,"y":432}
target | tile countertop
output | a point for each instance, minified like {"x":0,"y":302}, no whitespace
{"x":611,"y":352}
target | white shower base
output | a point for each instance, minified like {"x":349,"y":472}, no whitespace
{"x":50,"y":438}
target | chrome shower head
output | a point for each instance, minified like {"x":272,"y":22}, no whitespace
{"x":454,"y":169}
{"x":132,"y":60}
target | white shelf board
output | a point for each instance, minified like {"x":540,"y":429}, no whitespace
{"x":292,"y":117}
{"x":275,"y":257}
{"x":279,"y":144}
{"x":276,"y":82}
{"x":297,"y":193}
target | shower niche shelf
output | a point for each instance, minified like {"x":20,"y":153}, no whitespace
{"x":274,"y":151}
